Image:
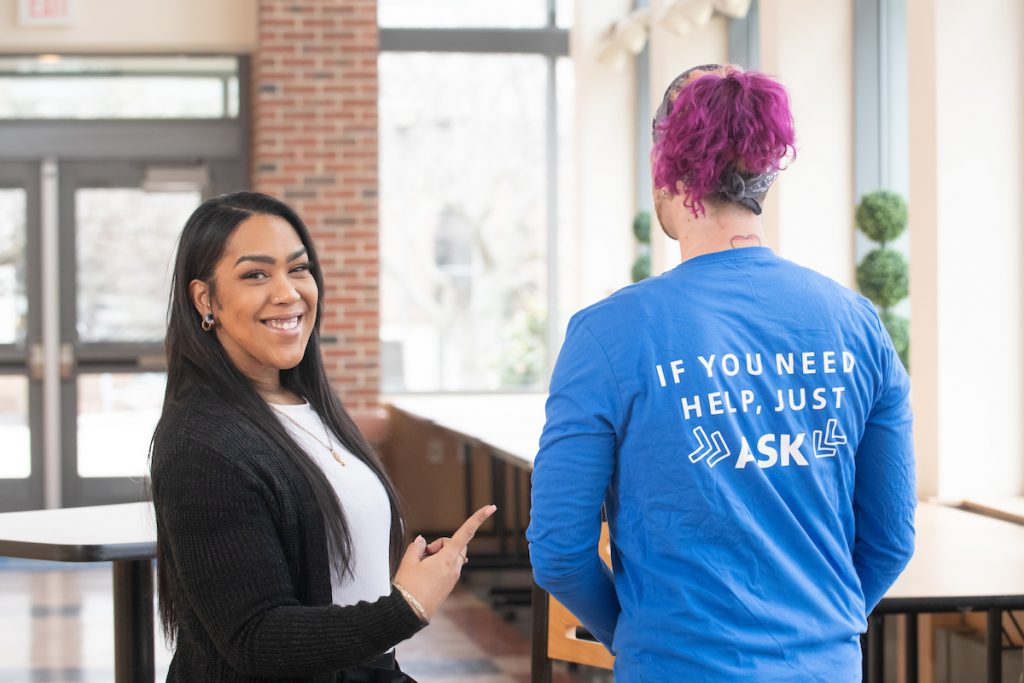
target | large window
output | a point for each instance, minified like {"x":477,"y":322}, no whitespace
{"x":84,"y":87}
{"x":881,"y":134}
{"x":472,"y":125}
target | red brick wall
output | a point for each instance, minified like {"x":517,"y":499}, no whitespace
{"x":314,"y":138}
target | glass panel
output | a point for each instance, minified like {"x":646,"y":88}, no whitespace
{"x":568,"y":238}
{"x":231,"y":95}
{"x":563,"y":13}
{"x":13,"y":299}
{"x":185,"y":65}
{"x":54,"y":86}
{"x":51,"y":97}
{"x":125,"y":250}
{"x":117,"y":414}
{"x":462,"y":14}
{"x":464,"y":245}
{"x":15,"y":435}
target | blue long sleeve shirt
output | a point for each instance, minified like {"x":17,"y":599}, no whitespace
{"x":745,"y":423}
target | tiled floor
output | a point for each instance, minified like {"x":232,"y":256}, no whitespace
{"x":56,"y":626}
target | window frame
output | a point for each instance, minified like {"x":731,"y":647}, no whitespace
{"x":552,"y":43}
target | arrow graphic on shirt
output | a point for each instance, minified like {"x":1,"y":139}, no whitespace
{"x":825,"y":442}
{"x":714,"y":449}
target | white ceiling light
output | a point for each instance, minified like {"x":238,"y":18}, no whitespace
{"x":682,"y":16}
{"x":676,"y":19}
{"x":628,"y":35}
{"x":612,"y":54}
{"x":734,"y":9}
{"x":700,"y":12}
{"x":631,"y":31}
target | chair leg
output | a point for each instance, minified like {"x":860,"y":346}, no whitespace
{"x":540,"y":664}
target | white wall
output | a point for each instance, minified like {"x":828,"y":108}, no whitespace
{"x":808,"y":215}
{"x":671,"y":54}
{"x":808,"y":46}
{"x":966,"y":252}
{"x":146,"y":26}
{"x":605,"y":196}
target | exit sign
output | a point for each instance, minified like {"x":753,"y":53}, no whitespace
{"x":45,"y":12}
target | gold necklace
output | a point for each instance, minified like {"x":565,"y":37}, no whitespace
{"x":328,"y":445}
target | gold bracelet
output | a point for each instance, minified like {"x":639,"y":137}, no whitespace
{"x":413,"y":602}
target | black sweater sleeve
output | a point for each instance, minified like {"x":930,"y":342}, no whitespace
{"x":218,"y":523}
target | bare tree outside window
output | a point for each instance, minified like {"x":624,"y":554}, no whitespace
{"x":463,"y":220}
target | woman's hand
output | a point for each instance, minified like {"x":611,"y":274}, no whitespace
{"x":429,"y":572}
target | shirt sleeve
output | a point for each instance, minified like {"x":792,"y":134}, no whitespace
{"x":571,"y":476}
{"x":217,"y":525}
{"x":884,"y":490}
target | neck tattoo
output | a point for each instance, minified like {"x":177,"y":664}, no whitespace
{"x":739,"y":241}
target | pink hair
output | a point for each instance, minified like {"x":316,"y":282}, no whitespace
{"x":721,"y":122}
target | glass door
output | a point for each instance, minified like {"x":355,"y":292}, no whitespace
{"x":119,"y":226}
{"x":21,"y":469}
{"x":102,"y":159}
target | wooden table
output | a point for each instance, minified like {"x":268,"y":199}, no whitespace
{"x":1008,"y":508}
{"x":962,"y":562}
{"x":505,"y":426}
{"x":508,"y":428}
{"x":122,"y":534}
{"x":508,"y":425}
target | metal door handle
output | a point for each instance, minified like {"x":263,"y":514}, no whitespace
{"x":37,"y":361}
{"x":67,"y":360}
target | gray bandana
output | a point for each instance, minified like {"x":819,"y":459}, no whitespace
{"x":746,"y":189}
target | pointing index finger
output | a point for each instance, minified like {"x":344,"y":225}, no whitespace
{"x":465,"y":533}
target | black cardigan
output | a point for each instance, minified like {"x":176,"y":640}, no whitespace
{"x":241,"y":527}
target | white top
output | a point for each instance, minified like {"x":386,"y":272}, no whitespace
{"x":363,"y":500}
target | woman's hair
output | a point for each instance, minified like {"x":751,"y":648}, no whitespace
{"x":197,"y":361}
{"x":724,"y":128}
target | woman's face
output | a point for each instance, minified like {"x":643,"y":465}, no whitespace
{"x":264,"y":298}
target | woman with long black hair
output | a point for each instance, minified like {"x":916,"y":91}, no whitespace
{"x":279,"y":535}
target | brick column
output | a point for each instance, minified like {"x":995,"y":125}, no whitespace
{"x":314,"y":137}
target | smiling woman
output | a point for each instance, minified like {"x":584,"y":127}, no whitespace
{"x":264,"y":304}
{"x":279,"y":537}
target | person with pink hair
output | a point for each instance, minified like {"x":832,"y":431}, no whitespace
{"x":743,"y":422}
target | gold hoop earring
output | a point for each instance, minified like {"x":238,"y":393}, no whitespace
{"x":208,"y":322}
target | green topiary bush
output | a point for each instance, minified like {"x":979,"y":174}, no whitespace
{"x":642,"y":227}
{"x":899,"y":331}
{"x":882,"y":277}
{"x":882,"y":216}
{"x":642,"y":232}
{"x":642,"y":268}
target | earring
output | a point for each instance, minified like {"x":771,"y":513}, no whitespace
{"x":208,"y":322}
